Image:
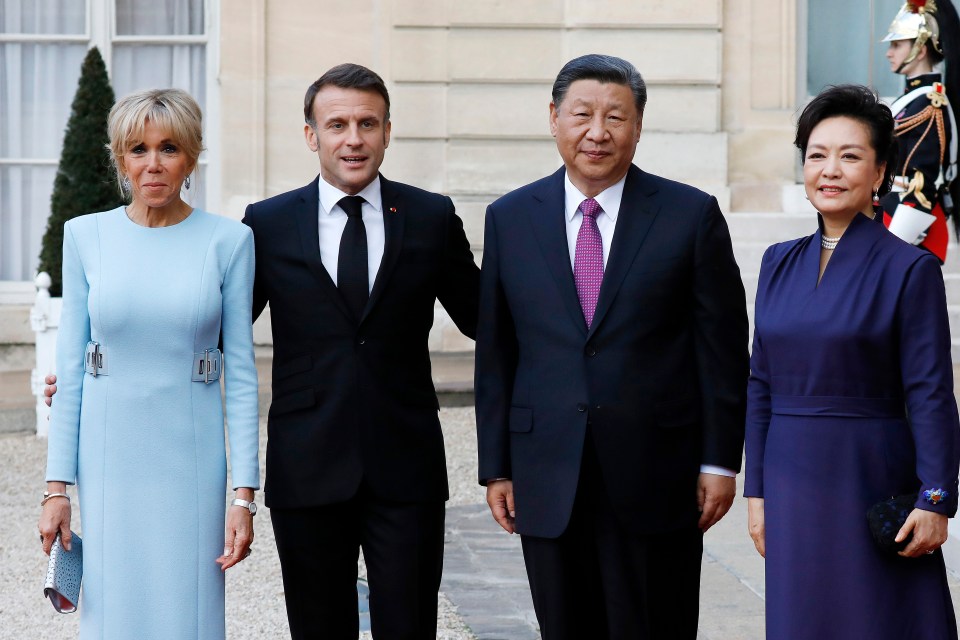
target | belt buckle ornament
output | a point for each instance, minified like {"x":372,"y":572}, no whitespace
{"x":95,"y":359}
{"x":207,"y":365}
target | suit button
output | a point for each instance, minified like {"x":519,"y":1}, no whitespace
{"x":581,"y":407}
{"x":362,"y":341}
{"x":591,"y":351}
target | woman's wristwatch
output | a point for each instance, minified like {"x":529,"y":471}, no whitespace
{"x":249,"y":506}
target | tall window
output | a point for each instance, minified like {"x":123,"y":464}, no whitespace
{"x":843,"y":44}
{"x":145,"y":43}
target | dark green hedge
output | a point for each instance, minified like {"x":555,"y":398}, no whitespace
{"x":85,"y":179}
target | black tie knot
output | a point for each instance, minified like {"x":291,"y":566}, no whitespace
{"x":351,"y":205}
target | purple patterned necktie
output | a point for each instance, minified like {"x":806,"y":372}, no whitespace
{"x":588,"y":260}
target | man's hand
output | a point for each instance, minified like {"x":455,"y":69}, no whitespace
{"x":50,"y":389}
{"x":500,"y":501}
{"x":756,"y":525}
{"x":714,"y":496}
{"x":929,"y":532}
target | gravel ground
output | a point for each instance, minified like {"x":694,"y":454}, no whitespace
{"x":254,"y":589}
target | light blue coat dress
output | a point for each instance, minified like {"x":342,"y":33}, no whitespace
{"x":144,"y":443}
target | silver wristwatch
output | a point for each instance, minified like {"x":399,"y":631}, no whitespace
{"x":250,"y":506}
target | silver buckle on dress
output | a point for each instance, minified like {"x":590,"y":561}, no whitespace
{"x":207,"y":366}
{"x":95,"y":359}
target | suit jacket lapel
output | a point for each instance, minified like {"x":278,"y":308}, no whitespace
{"x":393,"y":224}
{"x":550,"y":229}
{"x":638,"y":209}
{"x":306,"y":215}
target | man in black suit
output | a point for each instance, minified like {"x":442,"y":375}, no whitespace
{"x":352,"y":265}
{"x":611,"y":372}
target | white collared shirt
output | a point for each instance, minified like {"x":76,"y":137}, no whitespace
{"x":332,"y":220}
{"x":609,"y":200}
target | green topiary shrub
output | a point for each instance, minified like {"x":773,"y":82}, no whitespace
{"x":85,"y":179}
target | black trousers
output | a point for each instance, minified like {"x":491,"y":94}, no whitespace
{"x":403,"y":549}
{"x":600,"y":580}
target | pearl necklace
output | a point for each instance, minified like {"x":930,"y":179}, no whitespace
{"x":829,"y":243}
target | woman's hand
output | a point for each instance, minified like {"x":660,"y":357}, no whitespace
{"x":239,"y":533}
{"x":54,"y":519}
{"x":756,"y":525}
{"x":929,"y":532}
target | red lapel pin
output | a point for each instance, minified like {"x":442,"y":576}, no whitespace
{"x":393,"y":209}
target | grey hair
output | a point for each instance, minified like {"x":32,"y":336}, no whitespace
{"x":603,"y":69}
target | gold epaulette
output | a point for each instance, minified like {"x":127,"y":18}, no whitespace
{"x":937,"y":96}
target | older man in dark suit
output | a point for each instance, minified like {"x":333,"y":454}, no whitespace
{"x":352,"y":265}
{"x":611,"y":372}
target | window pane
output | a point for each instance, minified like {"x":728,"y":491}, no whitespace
{"x":24,"y":208}
{"x":68,"y":17}
{"x":37,"y":84}
{"x":844,"y":47}
{"x":159,"y":17}
{"x":181,"y":66}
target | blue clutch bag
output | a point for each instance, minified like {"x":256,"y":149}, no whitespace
{"x":64,"y":573}
{"x":885,"y":519}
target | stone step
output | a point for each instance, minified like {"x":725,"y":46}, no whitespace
{"x":768,"y":228}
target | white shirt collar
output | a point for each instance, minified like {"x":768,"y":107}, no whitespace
{"x":609,"y":199}
{"x":330,"y":195}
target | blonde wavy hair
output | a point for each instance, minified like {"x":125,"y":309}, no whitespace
{"x":172,"y":110}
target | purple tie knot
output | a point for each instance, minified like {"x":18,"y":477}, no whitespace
{"x":590,"y":208}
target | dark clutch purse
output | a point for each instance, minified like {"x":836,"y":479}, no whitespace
{"x":885,"y":519}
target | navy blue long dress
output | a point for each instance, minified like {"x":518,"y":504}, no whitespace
{"x":835,"y":370}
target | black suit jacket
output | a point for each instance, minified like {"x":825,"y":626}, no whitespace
{"x":660,"y":377}
{"x":355,"y":401}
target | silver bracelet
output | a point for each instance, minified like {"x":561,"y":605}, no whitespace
{"x":48,"y":496}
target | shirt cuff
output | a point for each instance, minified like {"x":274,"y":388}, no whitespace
{"x":717,"y":471}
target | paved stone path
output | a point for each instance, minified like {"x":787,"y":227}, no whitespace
{"x":484,"y":578}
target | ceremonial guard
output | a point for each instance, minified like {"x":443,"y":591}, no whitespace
{"x":921,"y":36}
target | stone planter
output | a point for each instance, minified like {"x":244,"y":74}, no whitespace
{"x":44,"y":320}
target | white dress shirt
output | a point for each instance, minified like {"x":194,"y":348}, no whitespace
{"x":609,"y":200}
{"x":332,"y":220}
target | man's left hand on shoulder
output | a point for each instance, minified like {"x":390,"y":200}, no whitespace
{"x":715,"y":495}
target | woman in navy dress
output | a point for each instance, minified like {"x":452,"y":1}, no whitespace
{"x":851,"y":338}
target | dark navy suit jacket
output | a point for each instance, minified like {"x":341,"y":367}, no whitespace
{"x":660,"y":377}
{"x":353,"y":400}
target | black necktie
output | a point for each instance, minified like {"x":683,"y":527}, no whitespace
{"x":352,"y":277}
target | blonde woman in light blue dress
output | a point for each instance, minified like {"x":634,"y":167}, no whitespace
{"x":148,"y":291}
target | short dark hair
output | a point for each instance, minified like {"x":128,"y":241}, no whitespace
{"x":345,"y":76}
{"x":603,"y":69}
{"x":859,"y":103}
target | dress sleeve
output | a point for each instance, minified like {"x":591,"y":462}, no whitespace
{"x":927,"y":372}
{"x":758,"y":406}
{"x":239,"y":368}
{"x":72,"y":338}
